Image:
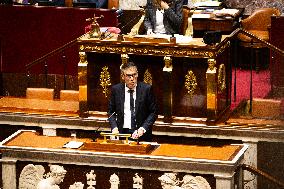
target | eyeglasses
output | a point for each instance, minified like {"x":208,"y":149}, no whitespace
{"x":131,"y":75}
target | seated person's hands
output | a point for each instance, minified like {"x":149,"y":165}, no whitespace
{"x":138,"y":133}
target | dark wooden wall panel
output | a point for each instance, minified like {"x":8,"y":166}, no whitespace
{"x":29,"y":32}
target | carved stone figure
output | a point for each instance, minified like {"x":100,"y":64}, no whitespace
{"x":169,"y":181}
{"x":32,"y":177}
{"x":191,"y":182}
{"x":53,"y":178}
{"x":137,"y":182}
{"x":114,"y":181}
{"x":91,"y":180}
{"x":77,"y":185}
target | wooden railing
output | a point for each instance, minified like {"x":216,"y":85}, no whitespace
{"x":263,"y":174}
{"x":44,"y":58}
{"x":234,"y":35}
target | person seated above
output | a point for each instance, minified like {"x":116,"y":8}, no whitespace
{"x":91,"y":3}
{"x":163,"y":16}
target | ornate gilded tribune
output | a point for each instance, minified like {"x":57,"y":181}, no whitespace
{"x":189,"y":78}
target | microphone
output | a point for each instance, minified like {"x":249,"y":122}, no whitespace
{"x":111,"y":115}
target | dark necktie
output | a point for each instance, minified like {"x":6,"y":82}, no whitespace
{"x":132,"y":109}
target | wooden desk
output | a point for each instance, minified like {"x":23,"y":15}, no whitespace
{"x":188,"y":89}
{"x":224,"y":24}
{"x":38,"y":106}
{"x":27,"y":146}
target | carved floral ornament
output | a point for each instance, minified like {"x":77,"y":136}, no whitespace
{"x":190,"y":82}
{"x":148,"y":77}
{"x":222,"y":78}
{"x":105,"y":80}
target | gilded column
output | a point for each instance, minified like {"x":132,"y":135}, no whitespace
{"x":83,"y":87}
{"x":211,"y":90}
{"x":167,"y":88}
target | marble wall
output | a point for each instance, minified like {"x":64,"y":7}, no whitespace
{"x":250,"y":5}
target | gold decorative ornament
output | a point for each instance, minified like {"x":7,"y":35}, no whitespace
{"x":190,"y":83}
{"x":83,"y":58}
{"x":105,"y":80}
{"x":150,"y":50}
{"x":221,"y":78}
{"x":95,"y":28}
{"x":148,"y":77}
{"x":168,"y":64}
{"x":211,"y":65}
{"x":124,"y":58}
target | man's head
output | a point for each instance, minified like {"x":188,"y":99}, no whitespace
{"x":129,"y":74}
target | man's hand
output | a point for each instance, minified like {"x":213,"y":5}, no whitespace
{"x":138,"y":133}
{"x":164,"y":5}
{"x":115,"y":131}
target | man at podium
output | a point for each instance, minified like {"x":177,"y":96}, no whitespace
{"x":132,"y":106}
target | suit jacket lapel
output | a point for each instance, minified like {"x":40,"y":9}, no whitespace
{"x":122,"y":97}
{"x":138,"y":96}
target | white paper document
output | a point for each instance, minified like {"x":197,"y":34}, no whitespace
{"x":73,"y":144}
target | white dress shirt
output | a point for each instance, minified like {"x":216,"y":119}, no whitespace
{"x":127,"y":111}
{"x":160,"y":28}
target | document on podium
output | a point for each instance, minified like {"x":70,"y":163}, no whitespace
{"x":73,"y":144}
{"x":153,"y":38}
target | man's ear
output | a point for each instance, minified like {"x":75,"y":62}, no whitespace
{"x":122,"y":77}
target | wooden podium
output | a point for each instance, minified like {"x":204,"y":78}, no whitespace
{"x":190,"y":80}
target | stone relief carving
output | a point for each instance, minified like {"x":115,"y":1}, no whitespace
{"x":91,"y":180}
{"x":30,"y":176}
{"x":33,"y":177}
{"x":114,"y":181}
{"x":77,"y":185}
{"x":137,"y":182}
{"x":170,"y":181}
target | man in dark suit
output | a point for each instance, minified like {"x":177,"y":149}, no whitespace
{"x":132,"y":106}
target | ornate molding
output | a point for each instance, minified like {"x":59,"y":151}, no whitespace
{"x":146,"y":50}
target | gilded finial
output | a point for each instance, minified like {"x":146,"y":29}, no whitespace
{"x":95,"y":27}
